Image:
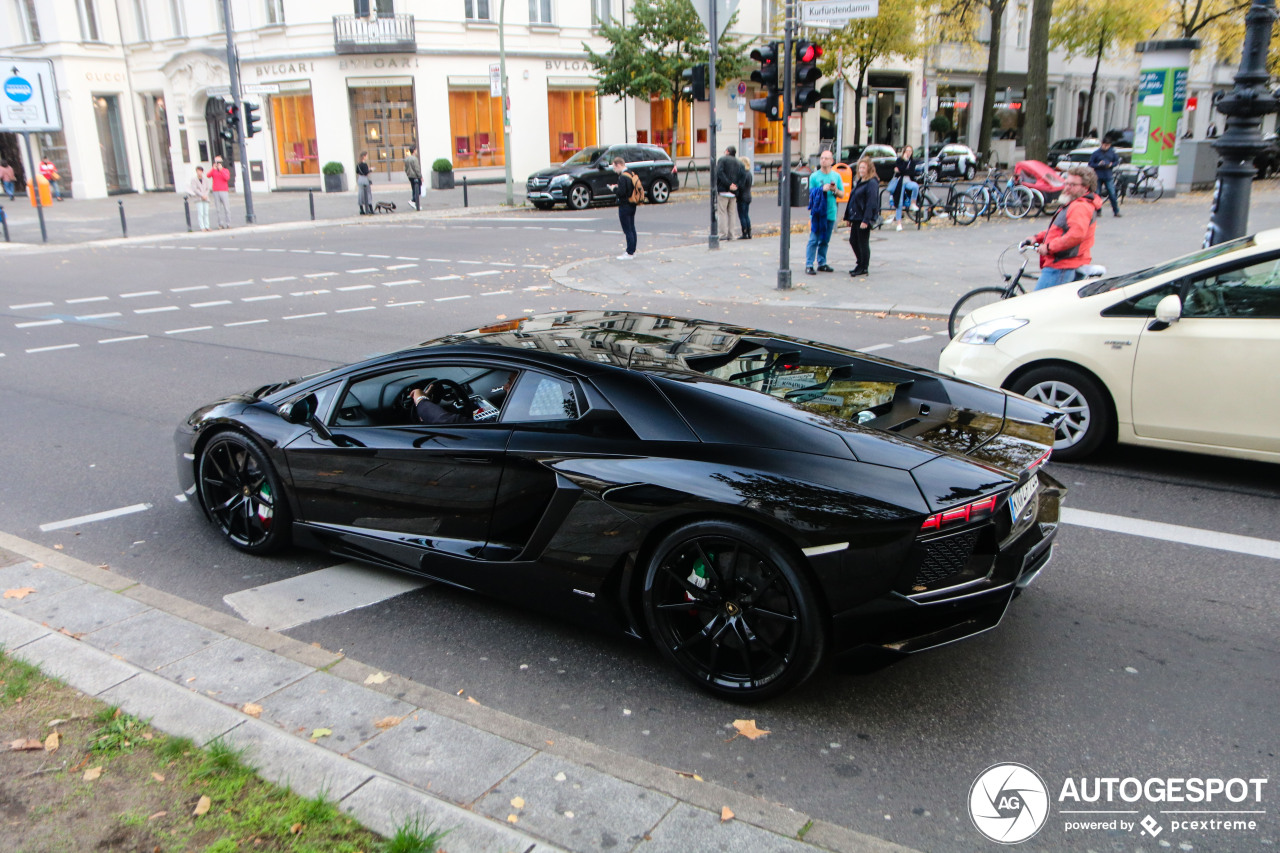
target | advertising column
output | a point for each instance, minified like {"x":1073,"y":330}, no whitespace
{"x":1162,"y":98}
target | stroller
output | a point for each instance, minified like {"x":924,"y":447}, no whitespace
{"x":1039,"y":177}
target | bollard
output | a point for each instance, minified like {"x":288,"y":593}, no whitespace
{"x":311,"y":197}
{"x":124,"y":226}
{"x":464,"y":191}
{"x":186,"y":207}
{"x":4,"y":221}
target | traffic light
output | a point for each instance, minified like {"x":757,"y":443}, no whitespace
{"x":695,"y":82}
{"x":232,"y":123}
{"x":251,"y":119}
{"x":767,"y":76}
{"x":807,"y":74}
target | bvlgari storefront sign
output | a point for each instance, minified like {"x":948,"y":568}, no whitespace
{"x":568,"y":65}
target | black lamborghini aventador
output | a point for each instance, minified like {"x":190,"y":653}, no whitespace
{"x":747,"y":500}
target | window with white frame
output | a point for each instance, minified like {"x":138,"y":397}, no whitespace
{"x":539,"y":11}
{"x":601,"y":12}
{"x":88,"y":20}
{"x":275,"y":11}
{"x":140,"y":19}
{"x":30,"y":23}
{"x":219,"y":22}
{"x":768,"y":16}
{"x":478,"y":10}
{"x":177,"y":18}
{"x":1022,"y":26}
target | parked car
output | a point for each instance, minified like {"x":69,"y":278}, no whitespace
{"x":585,"y":177}
{"x":883,"y":156}
{"x":1267,"y":161}
{"x":749,"y":501}
{"x":1120,"y":137}
{"x":953,"y":160}
{"x":1082,"y":154}
{"x":1062,"y":147}
{"x":1172,"y":356}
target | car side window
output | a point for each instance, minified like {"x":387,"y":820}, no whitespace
{"x":1144,"y":304}
{"x":539,"y":397}
{"x":1251,"y":292}
{"x":382,"y":399}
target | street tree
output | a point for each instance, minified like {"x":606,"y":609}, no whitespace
{"x":863,"y":42}
{"x":649,"y":55}
{"x":1092,"y":29}
{"x":1035,"y":137}
{"x":1198,"y":18}
{"x":964,"y":17}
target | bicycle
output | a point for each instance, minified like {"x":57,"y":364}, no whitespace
{"x":961,"y":209}
{"x":1143,"y":184}
{"x":982,"y":296}
{"x":997,"y":195}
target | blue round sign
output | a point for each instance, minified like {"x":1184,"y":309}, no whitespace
{"x":17,"y":89}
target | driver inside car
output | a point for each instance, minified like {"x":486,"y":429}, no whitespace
{"x":426,"y":402}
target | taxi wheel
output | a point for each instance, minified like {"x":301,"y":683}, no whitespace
{"x":1088,"y":421}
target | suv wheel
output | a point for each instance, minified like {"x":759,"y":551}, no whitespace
{"x":579,"y":196}
{"x":660,"y":191}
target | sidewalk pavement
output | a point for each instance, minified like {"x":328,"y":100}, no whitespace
{"x":912,"y":271}
{"x":398,"y":749}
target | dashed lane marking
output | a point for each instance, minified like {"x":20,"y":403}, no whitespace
{"x":122,"y":340}
{"x":319,"y":274}
{"x":303,"y":316}
{"x":318,"y":595}
{"x":185,"y":289}
{"x":92,"y":517}
{"x":319,"y":292}
{"x":156,"y":310}
{"x":261,"y":298}
{"x":85,"y":299}
{"x":51,"y":349}
{"x":244,"y":323}
{"x":403,"y":304}
{"x":401,"y":282}
{"x":356,"y":287}
{"x":190,"y":329}
{"x":446,"y":278}
{"x":139,"y":293}
{"x":496,"y":293}
{"x":917,"y":339}
{"x":280,"y":278}
{"x":874,"y":347}
{"x":350,"y":310}
{"x":471,"y":262}
{"x":30,"y":305}
{"x":1197,"y":536}
{"x":399,"y":267}
{"x":363,"y":270}
{"x":451,"y":298}
{"x":105,"y":316}
{"x":484,"y":273}
{"x":33,"y":323}
{"x":235,"y":283}
{"x":210,"y":304}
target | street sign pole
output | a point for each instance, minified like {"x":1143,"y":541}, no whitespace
{"x":713,"y":35}
{"x":233,"y":65}
{"x":29,"y":103}
{"x":35,"y":187}
{"x":784,"y":180}
{"x":506,"y":100}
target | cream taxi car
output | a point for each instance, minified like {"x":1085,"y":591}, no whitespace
{"x":1183,"y":355}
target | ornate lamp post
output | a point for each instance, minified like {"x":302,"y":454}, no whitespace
{"x":1244,"y":106}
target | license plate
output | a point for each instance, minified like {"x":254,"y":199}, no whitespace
{"x":1021,"y":497}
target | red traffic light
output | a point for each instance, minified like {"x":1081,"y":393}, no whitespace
{"x":810,"y":53}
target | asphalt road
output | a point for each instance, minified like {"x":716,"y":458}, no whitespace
{"x":1129,"y":656}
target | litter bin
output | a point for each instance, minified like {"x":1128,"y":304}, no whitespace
{"x":46,"y":193}
{"x":799,"y":189}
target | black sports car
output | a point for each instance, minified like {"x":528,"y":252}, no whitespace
{"x":748,"y":500}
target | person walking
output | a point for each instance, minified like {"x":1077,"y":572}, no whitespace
{"x":7,"y":178}
{"x":1065,"y":245}
{"x":199,"y":190}
{"x":364,"y":184}
{"x":861,"y":213}
{"x":630,"y":193}
{"x":729,"y":178}
{"x":220,"y":179}
{"x":1102,"y":161}
{"x":744,"y":198}
{"x":49,"y":172}
{"x":824,"y":186}
{"x":413,"y":171}
{"x":903,"y":184}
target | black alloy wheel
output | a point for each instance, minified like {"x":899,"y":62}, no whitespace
{"x":579,"y":196}
{"x":242,"y":494}
{"x":733,"y":611}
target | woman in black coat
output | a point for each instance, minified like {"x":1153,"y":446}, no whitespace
{"x":861,"y":214}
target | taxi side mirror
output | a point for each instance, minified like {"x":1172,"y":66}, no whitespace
{"x":1168,"y":312}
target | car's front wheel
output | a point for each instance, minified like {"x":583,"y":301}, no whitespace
{"x":732,"y":609}
{"x":242,"y":494}
{"x":1087,"y":422}
{"x":579,"y":196}
{"x":969,"y":172}
{"x":660,"y":191}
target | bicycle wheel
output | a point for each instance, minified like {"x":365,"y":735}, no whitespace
{"x":886,"y":203}
{"x":1018,"y":202}
{"x":1151,"y":190}
{"x":982,"y":199}
{"x":965,"y":208}
{"x":970,"y":302}
{"x":925,"y":204}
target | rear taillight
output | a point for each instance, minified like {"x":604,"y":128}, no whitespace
{"x":962,"y":514}
{"x":1044,"y":458}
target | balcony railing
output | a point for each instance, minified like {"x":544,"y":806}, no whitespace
{"x":388,"y":34}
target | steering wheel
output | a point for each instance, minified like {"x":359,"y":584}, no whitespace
{"x":449,"y":394}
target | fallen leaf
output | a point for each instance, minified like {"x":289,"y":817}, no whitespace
{"x":252,"y":709}
{"x":191,"y":679}
{"x":560,"y":777}
{"x":748,"y":728}
{"x":512,"y":819}
{"x":296,"y":828}
{"x":92,"y":773}
{"x":725,"y":814}
{"x":388,"y":722}
{"x":202,"y":807}
{"x":147,"y":736}
{"x":57,"y":547}
{"x":377,"y":678}
{"x":517,"y":802}
{"x":472,"y":700}
{"x":52,"y":742}
{"x":25,"y":743}
{"x":77,"y":635}
{"x":319,"y":733}
{"x":159,"y":777}
{"x":20,"y":592}
{"x":157,"y":815}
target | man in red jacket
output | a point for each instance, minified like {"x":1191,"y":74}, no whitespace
{"x":1066,"y":243}
{"x":220,"y":177}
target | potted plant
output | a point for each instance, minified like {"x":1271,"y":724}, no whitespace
{"x":442,"y":174}
{"x":941,"y":126}
{"x":335,"y":177}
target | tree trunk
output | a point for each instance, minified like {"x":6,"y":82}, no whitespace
{"x":996,"y":8}
{"x":1035,"y":138}
{"x":1093,"y":84}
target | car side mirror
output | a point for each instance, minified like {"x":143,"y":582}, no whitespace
{"x":1168,"y":312}
{"x":303,"y":413}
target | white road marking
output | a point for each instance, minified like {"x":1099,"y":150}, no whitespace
{"x":363,"y":269}
{"x":400,"y":282}
{"x":191,"y":329}
{"x":248,"y":249}
{"x":400,"y":267}
{"x":84,"y":299}
{"x":318,"y":595}
{"x":1200,"y":537}
{"x":155,"y":310}
{"x":944,"y":333}
{"x":140,"y":293}
{"x":403,"y":304}
{"x":304,"y":316}
{"x":319,"y":292}
{"x":51,"y":349}
{"x":527,"y":218}
{"x":319,"y":274}
{"x":403,"y":258}
{"x":243,"y":323}
{"x":451,"y":298}
{"x":353,"y":254}
{"x":557,"y":229}
{"x":260,"y":298}
{"x":235,"y":283}
{"x":105,"y":316}
{"x":325,"y":252}
{"x":586,"y":230}
{"x":917,"y":339}
{"x":188,"y":289}
{"x":356,"y":287}
{"x":30,"y":305}
{"x":210,"y":304}
{"x":439,"y":261}
{"x":301,"y":251}
{"x":446,"y":278}
{"x":534,"y":266}
{"x":97,"y":516}
{"x":484,"y":273}
{"x":280,"y":278}
{"x":34,"y":323}
{"x":377,"y":256}
{"x":193,"y":248}
{"x":501,"y":264}
{"x":539,"y":287}
{"x":496,"y":293}
{"x":275,"y":250}
{"x":874,"y":347}
{"x":361,"y":308}
{"x":121,"y":340}
{"x":471,"y":262}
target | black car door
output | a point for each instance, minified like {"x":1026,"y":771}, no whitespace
{"x":420,"y":496}
{"x":602,"y":176}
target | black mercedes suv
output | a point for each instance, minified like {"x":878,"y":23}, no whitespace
{"x":585,"y":177}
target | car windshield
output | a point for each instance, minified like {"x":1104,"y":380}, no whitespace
{"x":1108,"y":284}
{"x":585,"y":157}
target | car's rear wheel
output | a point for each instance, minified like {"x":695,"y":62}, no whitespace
{"x":660,"y":191}
{"x":1088,"y":420}
{"x":242,"y":494}
{"x":544,"y":205}
{"x":969,"y":172}
{"x":732,"y":610}
{"x":579,"y":196}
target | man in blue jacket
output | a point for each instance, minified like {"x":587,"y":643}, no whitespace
{"x":824,"y":186}
{"x":1102,"y":161}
